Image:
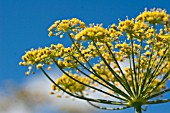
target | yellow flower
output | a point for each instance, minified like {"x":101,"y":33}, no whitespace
{"x":72,"y":35}
{"x":161,"y":52}
{"x":75,"y":21}
{"x":50,"y":33}
{"x":53,"y":87}
{"x":39,"y":66}
{"x":126,"y":69}
{"x":147,"y":53}
{"x":27,"y":73}
{"x":49,"y":68}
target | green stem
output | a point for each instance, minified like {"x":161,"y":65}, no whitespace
{"x":120,"y":80}
{"x":158,"y":101}
{"x":125,"y":79}
{"x":107,"y":108}
{"x":133,"y":63}
{"x":133,"y":84}
{"x":138,"y":109}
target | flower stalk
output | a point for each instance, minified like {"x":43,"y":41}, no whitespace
{"x":138,"y":109}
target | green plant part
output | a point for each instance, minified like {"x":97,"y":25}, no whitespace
{"x":93,"y":63}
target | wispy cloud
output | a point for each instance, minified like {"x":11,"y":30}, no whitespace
{"x":33,"y":97}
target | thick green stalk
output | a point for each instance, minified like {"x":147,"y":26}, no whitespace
{"x":138,"y":109}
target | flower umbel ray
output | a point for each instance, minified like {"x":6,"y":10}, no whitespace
{"x":92,"y":63}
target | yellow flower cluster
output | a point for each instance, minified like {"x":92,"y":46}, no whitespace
{"x":65,"y":25}
{"x":163,"y":38}
{"x":137,"y":29}
{"x":114,"y":33}
{"x":41,"y":56}
{"x":35,"y":56}
{"x":93,"y":32}
{"x":71,"y":85}
{"x":126,"y":25}
{"x":155,"y":16}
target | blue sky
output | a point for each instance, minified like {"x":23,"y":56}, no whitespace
{"x":24,"y":24}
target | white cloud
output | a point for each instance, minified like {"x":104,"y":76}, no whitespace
{"x":33,"y":97}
